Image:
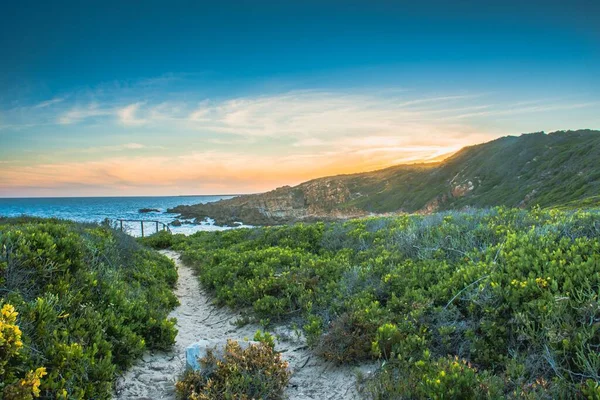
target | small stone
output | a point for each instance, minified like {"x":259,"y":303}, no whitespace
{"x":199,"y":350}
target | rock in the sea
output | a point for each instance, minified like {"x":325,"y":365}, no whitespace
{"x":148,"y":210}
{"x":199,"y":350}
{"x":176,"y":223}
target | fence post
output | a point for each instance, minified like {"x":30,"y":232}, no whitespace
{"x":156,"y":226}
{"x":121,"y":221}
{"x":142,"y":225}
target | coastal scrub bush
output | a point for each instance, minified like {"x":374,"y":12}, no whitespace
{"x":443,"y":378}
{"x":265,"y":338}
{"x":161,"y":240}
{"x":256,"y":372}
{"x":11,"y":386}
{"x":87,"y":300}
{"x":511,"y":295}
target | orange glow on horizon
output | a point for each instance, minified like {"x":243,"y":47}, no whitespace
{"x":200,"y":173}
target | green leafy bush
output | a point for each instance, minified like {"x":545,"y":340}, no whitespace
{"x":444,"y":378}
{"x":513,"y":293}
{"x":265,"y":338}
{"x":12,"y":386}
{"x":162,"y":240}
{"x":256,"y":372}
{"x":89,"y":301}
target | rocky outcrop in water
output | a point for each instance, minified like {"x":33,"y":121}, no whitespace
{"x":148,"y":210}
{"x":314,"y":200}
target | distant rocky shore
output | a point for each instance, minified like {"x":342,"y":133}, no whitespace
{"x":532,"y":169}
{"x":311,"y":201}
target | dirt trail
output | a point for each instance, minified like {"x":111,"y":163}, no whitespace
{"x":153,"y":377}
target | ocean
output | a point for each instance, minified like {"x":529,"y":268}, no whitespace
{"x":97,"y":209}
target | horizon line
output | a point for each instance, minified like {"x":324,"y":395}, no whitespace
{"x":125,"y":196}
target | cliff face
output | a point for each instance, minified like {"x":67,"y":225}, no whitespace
{"x":314,"y":200}
{"x":545,"y":169}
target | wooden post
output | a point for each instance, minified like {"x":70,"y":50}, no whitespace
{"x":121,"y":221}
{"x":142,"y":225}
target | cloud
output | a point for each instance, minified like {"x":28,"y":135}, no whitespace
{"x":317,"y":114}
{"x":526,"y":110}
{"x":304,"y":116}
{"x":310,"y":142}
{"x":103,"y":152}
{"x":133,"y":146}
{"x":119,"y":147}
{"x":127,"y":115}
{"x":78,"y":114}
{"x":48,"y":103}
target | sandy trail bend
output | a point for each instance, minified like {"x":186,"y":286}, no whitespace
{"x":153,"y":377}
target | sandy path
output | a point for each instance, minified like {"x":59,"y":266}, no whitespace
{"x":153,"y":376}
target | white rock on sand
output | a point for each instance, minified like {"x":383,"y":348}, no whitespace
{"x":153,"y":377}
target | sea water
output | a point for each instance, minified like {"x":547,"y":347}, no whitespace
{"x":97,"y":209}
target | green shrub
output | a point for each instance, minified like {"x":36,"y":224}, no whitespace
{"x":444,"y":378}
{"x":513,"y":293}
{"x":90,"y":300}
{"x":161,"y":240}
{"x":11,"y":385}
{"x":386,"y":342}
{"x":346,"y":340}
{"x":265,"y":338}
{"x":256,"y":372}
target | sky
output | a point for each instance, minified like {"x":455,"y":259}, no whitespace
{"x":127,"y":98}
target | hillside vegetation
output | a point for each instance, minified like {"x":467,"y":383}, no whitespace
{"x":496,"y":303}
{"x":79,"y":304}
{"x":532,"y":169}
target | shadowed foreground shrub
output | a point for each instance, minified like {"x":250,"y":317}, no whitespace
{"x":345,"y":341}
{"x":79,"y":303}
{"x":257,"y":372}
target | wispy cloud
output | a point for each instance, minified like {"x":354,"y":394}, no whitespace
{"x":127,"y":115}
{"x":78,"y":114}
{"x":525,"y":110}
{"x":310,"y":142}
{"x":322,"y":114}
{"x":301,"y":114}
{"x":120,"y":147}
{"x":48,"y":103}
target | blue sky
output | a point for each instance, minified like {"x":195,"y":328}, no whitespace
{"x":128,"y":97}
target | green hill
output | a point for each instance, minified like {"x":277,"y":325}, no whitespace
{"x":532,"y":169}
